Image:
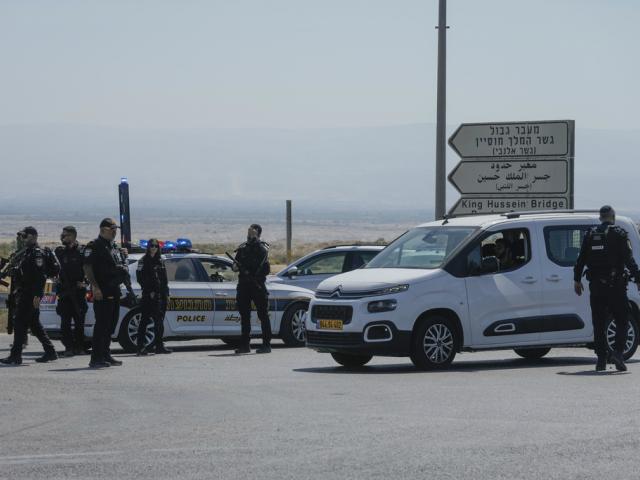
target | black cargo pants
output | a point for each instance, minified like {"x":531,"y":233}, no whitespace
{"x":609,"y":299}
{"x":26,"y":317}
{"x":256,"y":292}
{"x":106,"y":312}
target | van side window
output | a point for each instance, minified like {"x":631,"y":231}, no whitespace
{"x":512,"y":249}
{"x":563,"y":243}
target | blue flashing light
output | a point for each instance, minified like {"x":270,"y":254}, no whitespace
{"x":169,"y":245}
{"x":144,"y":243}
{"x":184,"y":243}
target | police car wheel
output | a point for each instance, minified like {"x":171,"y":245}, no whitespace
{"x":434,"y":343}
{"x":532,"y":353}
{"x":128,"y":335}
{"x":633,"y":336}
{"x":292,"y":329}
{"x":351,"y":361}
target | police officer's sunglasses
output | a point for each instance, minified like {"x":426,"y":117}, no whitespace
{"x":153,"y":245}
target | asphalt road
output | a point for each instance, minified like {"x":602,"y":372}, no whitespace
{"x":204,"y":413}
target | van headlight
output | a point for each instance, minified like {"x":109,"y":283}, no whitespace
{"x":382,"y":306}
{"x":392,"y":290}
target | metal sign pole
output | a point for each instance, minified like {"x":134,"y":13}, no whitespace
{"x":441,"y":112}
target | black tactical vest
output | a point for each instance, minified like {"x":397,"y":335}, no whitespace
{"x":599,"y":255}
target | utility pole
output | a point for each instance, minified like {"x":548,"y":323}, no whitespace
{"x":441,"y":122}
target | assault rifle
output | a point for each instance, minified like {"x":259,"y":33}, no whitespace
{"x":132,"y":299}
{"x":8,"y":264}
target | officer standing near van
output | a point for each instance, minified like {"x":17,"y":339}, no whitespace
{"x":105,"y":268}
{"x":606,"y":252}
{"x":30,"y":276}
{"x":252,"y":263}
{"x":71,"y":290}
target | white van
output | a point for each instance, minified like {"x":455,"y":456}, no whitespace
{"x":438,"y":289}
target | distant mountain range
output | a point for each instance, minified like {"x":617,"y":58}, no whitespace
{"x":71,"y":168}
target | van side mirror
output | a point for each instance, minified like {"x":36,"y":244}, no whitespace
{"x":489,"y":265}
{"x":292,"y":272}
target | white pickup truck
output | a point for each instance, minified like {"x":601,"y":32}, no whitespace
{"x":438,"y":290}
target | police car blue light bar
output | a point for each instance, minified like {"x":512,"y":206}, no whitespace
{"x":169,"y":245}
{"x":143,"y":243}
{"x":184,"y":243}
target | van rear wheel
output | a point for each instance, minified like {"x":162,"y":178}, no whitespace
{"x":434,"y":343}
{"x":532,"y":353}
{"x":633,"y":336}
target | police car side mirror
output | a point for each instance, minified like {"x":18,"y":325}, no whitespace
{"x":293,"y":272}
{"x":489,"y":265}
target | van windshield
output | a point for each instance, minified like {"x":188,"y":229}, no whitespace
{"x":423,"y":247}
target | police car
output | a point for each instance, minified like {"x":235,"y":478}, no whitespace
{"x":439,"y":289}
{"x":310,"y":270}
{"x":202,"y":305}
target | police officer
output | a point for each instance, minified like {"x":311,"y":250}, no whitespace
{"x":71,"y":290}
{"x":152,"y":277}
{"x":606,"y":251}
{"x":30,"y":276}
{"x":105,"y":268}
{"x":252,"y":263}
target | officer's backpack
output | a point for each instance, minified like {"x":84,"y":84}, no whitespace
{"x":599,"y":256}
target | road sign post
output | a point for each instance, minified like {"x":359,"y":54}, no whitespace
{"x":513,"y":166}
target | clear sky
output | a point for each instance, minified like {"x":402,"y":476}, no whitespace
{"x":316,"y":63}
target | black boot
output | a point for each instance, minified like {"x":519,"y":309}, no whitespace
{"x":49,"y":356}
{"x":618,"y":361}
{"x":10,"y":360}
{"x":142,"y":352}
{"x":112,"y":361}
{"x":245,"y":348}
{"x":160,"y":349}
{"x":601,"y":364}
{"x":265,"y":348}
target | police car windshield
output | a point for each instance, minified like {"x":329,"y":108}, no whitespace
{"x":423,"y":247}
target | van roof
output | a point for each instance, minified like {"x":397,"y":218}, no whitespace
{"x":488,"y":220}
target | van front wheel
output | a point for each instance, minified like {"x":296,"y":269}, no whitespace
{"x":434,"y":342}
{"x":532,"y":353}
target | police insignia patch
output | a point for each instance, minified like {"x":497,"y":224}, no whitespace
{"x":87,"y":252}
{"x":39,"y":261}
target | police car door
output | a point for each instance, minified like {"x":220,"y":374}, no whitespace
{"x":504,"y":305}
{"x":190,"y":310}
{"x":568,"y":315}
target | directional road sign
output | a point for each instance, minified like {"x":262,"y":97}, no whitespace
{"x":512,"y":139}
{"x":513,"y":177}
{"x":484,"y":205}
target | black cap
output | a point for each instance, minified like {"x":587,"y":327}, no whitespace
{"x":70,"y":229}
{"x":28,"y":231}
{"x":256,"y":227}
{"x":607,"y":210}
{"x":108,"y":222}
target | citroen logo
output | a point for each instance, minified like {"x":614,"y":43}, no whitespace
{"x":337,"y":292}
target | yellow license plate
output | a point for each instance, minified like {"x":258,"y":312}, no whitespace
{"x":330,"y":324}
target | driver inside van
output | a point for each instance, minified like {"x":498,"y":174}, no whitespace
{"x":504,"y":254}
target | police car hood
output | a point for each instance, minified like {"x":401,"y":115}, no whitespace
{"x":366,"y":279}
{"x":283,"y":288}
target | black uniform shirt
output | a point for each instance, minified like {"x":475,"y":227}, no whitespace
{"x":30,"y":274}
{"x":108,"y":268}
{"x":253,"y":258}
{"x":71,"y":272}
{"x":152,"y":276}
{"x":618,"y":248}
